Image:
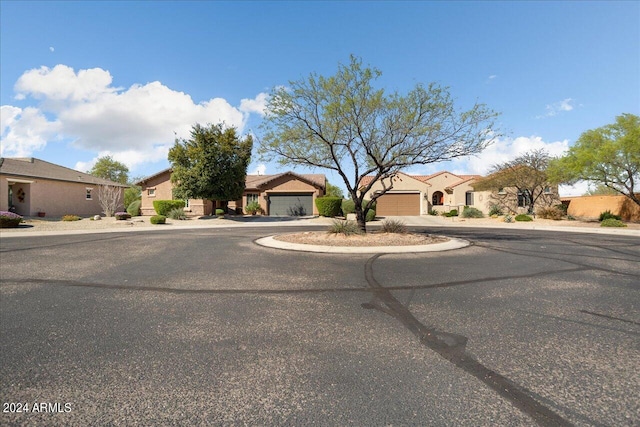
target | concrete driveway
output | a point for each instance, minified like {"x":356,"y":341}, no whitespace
{"x":203,"y":327}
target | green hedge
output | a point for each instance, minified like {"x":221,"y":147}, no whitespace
{"x":523,"y":217}
{"x":134,"y":208}
{"x":158,"y":219}
{"x":329,"y":206}
{"x":163,"y":207}
{"x":612,"y":222}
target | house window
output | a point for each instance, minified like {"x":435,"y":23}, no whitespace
{"x":547,"y":190}
{"x":437,"y":199}
{"x":252,"y":197}
{"x":151,"y":192}
{"x":88,"y":193}
{"x":524,"y":199}
{"x":468,"y":198}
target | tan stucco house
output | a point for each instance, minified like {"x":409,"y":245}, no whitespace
{"x":284,"y":194}
{"x":30,"y":186}
{"x":419,"y":194}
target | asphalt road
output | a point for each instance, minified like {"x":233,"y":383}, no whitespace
{"x":203,"y":327}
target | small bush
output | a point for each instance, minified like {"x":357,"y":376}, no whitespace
{"x":433,"y":212}
{"x":551,"y":212}
{"x":163,"y":207}
{"x":134,"y":208}
{"x":608,"y":215}
{"x":158,"y":219}
{"x":562,"y":208}
{"x":523,"y":218}
{"x":219,"y":212}
{"x":70,"y":218}
{"x":177,"y":213}
{"x":254,"y":208}
{"x":612,"y":222}
{"x":371,"y":215}
{"x":9,"y":219}
{"x":394,"y":226}
{"x":348,"y":206}
{"x":121,"y":215}
{"x":452,"y":212}
{"x":329,"y":206}
{"x":571,"y":218}
{"x":348,"y":228}
{"x":508,"y":218}
{"x":472,"y":213}
{"x":495,"y":210}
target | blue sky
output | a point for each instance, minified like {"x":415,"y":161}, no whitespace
{"x":84,"y":79}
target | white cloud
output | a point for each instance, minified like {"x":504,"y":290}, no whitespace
{"x":134,"y":125}
{"x":492,"y":76}
{"x":555,"y":108}
{"x":24,"y":131}
{"x":257,"y":105}
{"x":261,"y":169}
{"x":51,"y":49}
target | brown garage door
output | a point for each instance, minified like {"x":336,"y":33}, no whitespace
{"x":398,"y":204}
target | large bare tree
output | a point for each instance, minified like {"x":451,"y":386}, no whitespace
{"x":344,"y":124}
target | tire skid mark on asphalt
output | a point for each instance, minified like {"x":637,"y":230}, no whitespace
{"x":593,"y":313}
{"x":452,"y":347}
{"x":31,"y":248}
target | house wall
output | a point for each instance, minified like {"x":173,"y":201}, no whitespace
{"x":55,"y":198}
{"x":163,"y":190}
{"x":590,"y":207}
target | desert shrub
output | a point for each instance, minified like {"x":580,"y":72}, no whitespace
{"x":163,"y":207}
{"x":433,"y":212}
{"x":254,"y":208}
{"x":495,"y":210}
{"x":371,"y":215}
{"x":134,"y":208}
{"x":219,"y":212}
{"x":523,"y":218}
{"x":349,"y":207}
{"x":612,"y":222}
{"x":9,"y":219}
{"x":121,"y":215}
{"x":394,"y":226}
{"x":571,"y":218}
{"x":177,"y":213}
{"x":472,"y":213}
{"x":158,"y":219}
{"x":452,"y":212}
{"x":608,"y":215}
{"x":508,"y":218}
{"x":329,"y":206}
{"x":562,"y":208}
{"x":348,"y":228}
{"x":70,"y":218}
{"x":550,"y":212}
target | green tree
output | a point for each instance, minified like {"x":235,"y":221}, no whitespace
{"x":600,"y":190}
{"x":107,"y":168}
{"x":342,"y":123}
{"x":333,"y":190}
{"x":608,"y":155}
{"x":521,"y":181}
{"x":212,"y":164}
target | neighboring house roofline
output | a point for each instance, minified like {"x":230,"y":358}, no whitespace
{"x":256,"y":182}
{"x":155,"y":175}
{"x":31,"y":167}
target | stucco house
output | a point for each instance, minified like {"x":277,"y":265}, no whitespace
{"x":419,"y":194}
{"x":30,"y":186}
{"x":284,"y":194}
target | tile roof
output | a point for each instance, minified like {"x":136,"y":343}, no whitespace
{"x":35,"y":168}
{"x":257,"y":181}
{"x":426,"y":178}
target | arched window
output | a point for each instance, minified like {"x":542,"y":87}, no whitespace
{"x":437,"y":199}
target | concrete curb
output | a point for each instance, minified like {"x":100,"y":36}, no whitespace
{"x":271,"y":242}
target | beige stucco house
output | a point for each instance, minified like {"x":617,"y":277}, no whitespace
{"x":30,"y":186}
{"x":283,"y":194}
{"x":419,"y":194}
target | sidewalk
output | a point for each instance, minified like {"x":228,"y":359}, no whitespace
{"x":49,"y":227}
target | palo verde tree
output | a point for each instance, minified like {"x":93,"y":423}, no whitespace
{"x":108,"y":168}
{"x":608,"y":156}
{"x":212,"y":164}
{"x":344,"y":124}
{"x":522,"y":181}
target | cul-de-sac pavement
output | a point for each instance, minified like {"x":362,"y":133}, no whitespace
{"x":204,"y":327}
